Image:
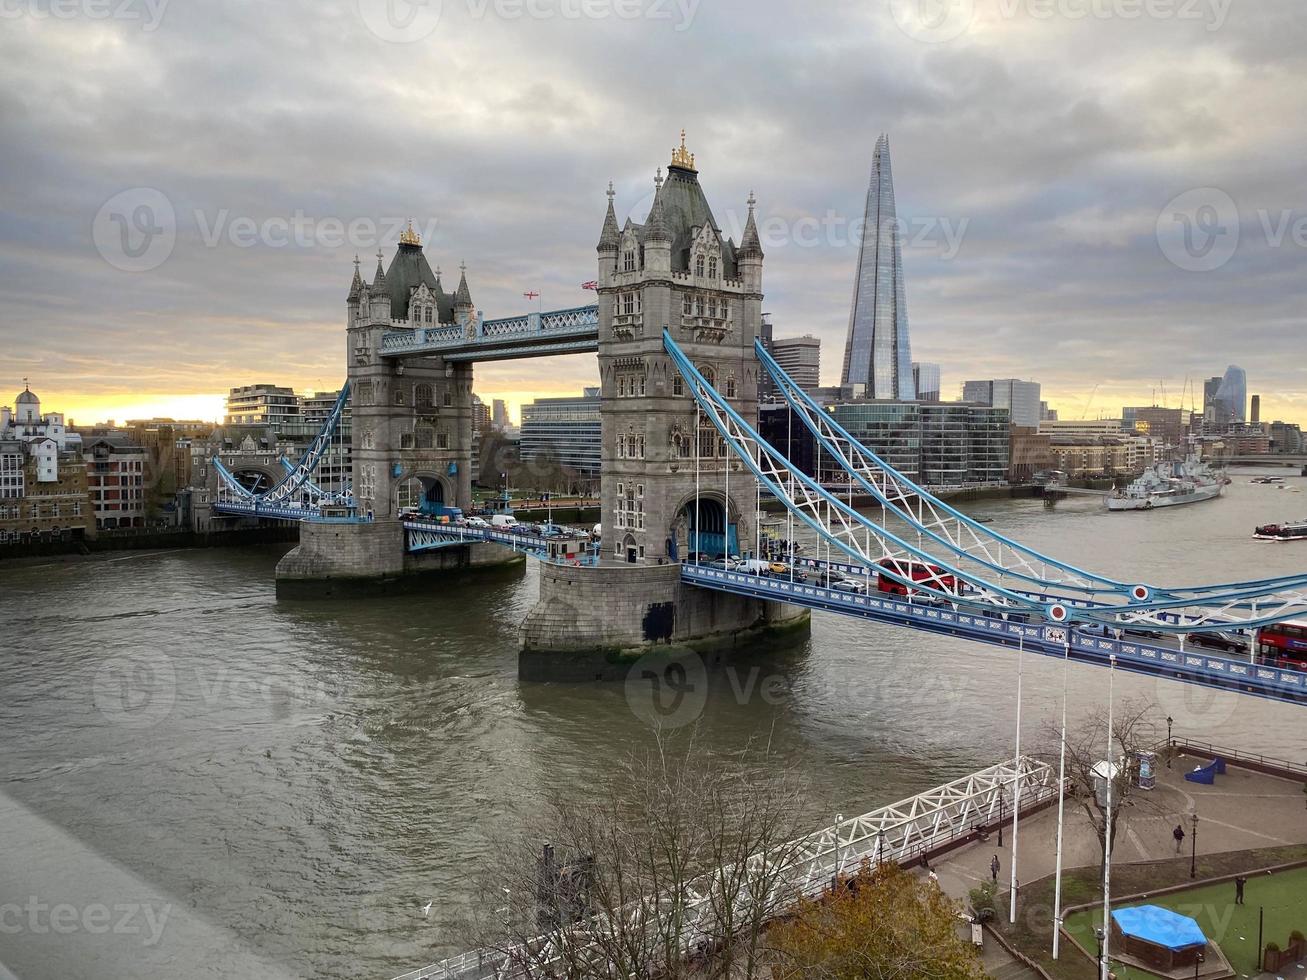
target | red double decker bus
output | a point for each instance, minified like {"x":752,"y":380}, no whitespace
{"x":931,"y":576}
{"x":1284,"y":644}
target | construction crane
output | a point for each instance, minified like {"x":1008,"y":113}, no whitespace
{"x":1084,"y":416}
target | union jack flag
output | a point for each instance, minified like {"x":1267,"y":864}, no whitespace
{"x":592,"y":284}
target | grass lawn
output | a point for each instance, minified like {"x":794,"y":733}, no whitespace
{"x":1284,"y":897}
{"x":1232,"y":927}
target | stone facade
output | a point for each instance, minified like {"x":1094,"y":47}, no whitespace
{"x":411,"y":426}
{"x":675,"y":272}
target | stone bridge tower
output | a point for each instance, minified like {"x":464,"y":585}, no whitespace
{"x":675,"y":271}
{"x":412,"y":417}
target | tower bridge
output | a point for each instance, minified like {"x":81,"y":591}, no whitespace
{"x":675,"y":328}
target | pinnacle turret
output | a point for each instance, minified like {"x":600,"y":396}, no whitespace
{"x":379,"y":280}
{"x":750,"y":244}
{"x":610,"y":237}
{"x":355,"y":287}
{"x":463,"y":295}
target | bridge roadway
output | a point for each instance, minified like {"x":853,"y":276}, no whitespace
{"x":1163,"y":658}
{"x":1155,"y":660}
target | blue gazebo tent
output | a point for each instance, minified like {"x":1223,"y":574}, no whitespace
{"x":1158,"y":936}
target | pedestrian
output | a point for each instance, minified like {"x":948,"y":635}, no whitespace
{"x":933,"y":877}
{"x":993,"y":868}
{"x":1178,"y":834}
{"x":1238,"y":889}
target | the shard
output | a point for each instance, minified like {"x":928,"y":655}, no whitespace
{"x":878,"y":353}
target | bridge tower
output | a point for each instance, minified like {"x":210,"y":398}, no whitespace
{"x":412,"y":417}
{"x":676,"y":271}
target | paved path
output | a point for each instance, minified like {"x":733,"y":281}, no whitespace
{"x":1243,"y":810}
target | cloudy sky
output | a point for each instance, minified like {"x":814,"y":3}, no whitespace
{"x":1098,"y":193}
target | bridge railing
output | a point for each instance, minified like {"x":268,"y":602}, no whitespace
{"x":577,"y":321}
{"x":898,"y":833}
{"x":1204,"y":669}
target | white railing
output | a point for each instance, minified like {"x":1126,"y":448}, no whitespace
{"x":898,"y":833}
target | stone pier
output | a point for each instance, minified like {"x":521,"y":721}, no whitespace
{"x":592,"y":623}
{"x":369,"y":558}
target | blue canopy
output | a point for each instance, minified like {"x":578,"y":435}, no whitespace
{"x":1160,"y":926}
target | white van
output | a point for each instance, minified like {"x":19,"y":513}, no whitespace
{"x":753,"y":566}
{"x":503,"y":520}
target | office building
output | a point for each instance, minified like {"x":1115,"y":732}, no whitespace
{"x":1168,"y":425}
{"x":499,"y":414}
{"x":800,"y":358}
{"x":262,"y":404}
{"x":1229,"y":403}
{"x":480,"y":416}
{"x":1286,"y":437}
{"x":1020,"y":398}
{"x":568,"y":431}
{"x":877,"y":351}
{"x":1255,"y":410}
{"x":925,"y":379}
{"x":939,"y":445}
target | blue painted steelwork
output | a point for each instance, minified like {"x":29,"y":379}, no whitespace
{"x":297,"y":494}
{"x":968,"y":538}
{"x":571,"y":331}
{"x":429,"y":536}
{"x":843,"y":528}
{"x":1195,"y":668}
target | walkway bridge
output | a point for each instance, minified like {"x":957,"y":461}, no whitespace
{"x":570,"y":331}
{"x":902,"y":832}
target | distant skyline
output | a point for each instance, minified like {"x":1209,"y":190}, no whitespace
{"x":1078,"y":232}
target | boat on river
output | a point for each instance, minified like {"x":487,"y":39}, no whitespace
{"x":1170,"y":484}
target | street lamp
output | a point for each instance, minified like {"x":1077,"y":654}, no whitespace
{"x":1198,"y":965}
{"x":1193,"y":840}
{"x":1098,"y":934}
{"x":1169,"y":745}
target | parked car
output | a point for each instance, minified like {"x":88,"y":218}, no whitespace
{"x":850,"y":585}
{"x":503,"y":521}
{"x":778,"y":568}
{"x":477,"y":522}
{"x":755,"y":566}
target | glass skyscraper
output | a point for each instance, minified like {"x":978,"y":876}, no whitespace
{"x":877,"y":353}
{"x":1230,"y":405}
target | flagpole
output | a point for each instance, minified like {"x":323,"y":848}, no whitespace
{"x":1061,"y":807}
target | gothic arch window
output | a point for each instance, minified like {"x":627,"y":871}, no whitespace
{"x":628,"y":260}
{"x":422,"y":396}
{"x":712,"y":267}
{"x":678,"y":386}
{"x":687,"y":304}
{"x":426,"y":315}
{"x":399,"y":396}
{"x":406,"y":440}
{"x":709,"y":374}
{"x":712,"y":307}
{"x":448,"y":399}
{"x":730,"y":386}
{"x":698,"y":306}
{"x":423,"y":437}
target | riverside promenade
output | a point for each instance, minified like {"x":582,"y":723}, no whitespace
{"x":1245,"y":810}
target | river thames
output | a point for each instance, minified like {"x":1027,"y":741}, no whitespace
{"x":295,"y":781}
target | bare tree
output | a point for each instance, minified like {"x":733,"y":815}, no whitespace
{"x":1133,"y":731}
{"x":673,"y":871}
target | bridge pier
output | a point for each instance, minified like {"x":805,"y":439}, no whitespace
{"x":593,"y":622}
{"x":369,"y":557}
